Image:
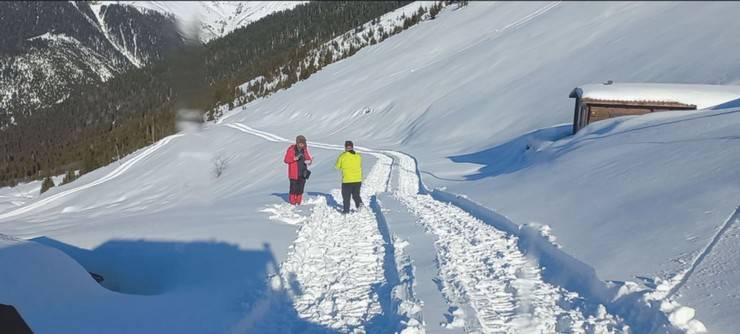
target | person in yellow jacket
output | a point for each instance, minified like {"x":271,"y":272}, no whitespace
{"x":350,"y":163}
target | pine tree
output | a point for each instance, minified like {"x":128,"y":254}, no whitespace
{"x":436,"y":8}
{"x":69,"y":177}
{"x":47,"y":184}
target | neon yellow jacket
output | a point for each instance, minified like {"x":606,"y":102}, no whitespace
{"x":351,"y":167}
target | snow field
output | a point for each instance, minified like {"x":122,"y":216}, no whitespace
{"x":335,"y":269}
{"x":492,"y":104}
{"x":112,"y":175}
{"x":483,"y":271}
{"x":707,"y":275}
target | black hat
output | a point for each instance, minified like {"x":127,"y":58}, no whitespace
{"x":348,"y":143}
{"x":300,"y":139}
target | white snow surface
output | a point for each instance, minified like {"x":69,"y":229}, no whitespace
{"x":473,"y":109}
{"x":216,"y":18}
{"x":702,"y":96}
{"x":23,"y":193}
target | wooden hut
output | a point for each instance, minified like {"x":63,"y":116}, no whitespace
{"x":602,"y":101}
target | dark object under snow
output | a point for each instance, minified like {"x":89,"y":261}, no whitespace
{"x":11,"y":321}
{"x":97,"y":277}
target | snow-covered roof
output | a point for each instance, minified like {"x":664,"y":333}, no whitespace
{"x":702,"y":96}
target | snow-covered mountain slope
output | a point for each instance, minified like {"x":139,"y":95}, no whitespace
{"x":215,"y":18}
{"x":13,"y":197}
{"x":543,"y":234}
{"x":48,"y":49}
{"x":513,"y":74}
{"x":336,"y":49}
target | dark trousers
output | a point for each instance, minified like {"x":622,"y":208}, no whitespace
{"x":296,"y":186}
{"x":351,"y":189}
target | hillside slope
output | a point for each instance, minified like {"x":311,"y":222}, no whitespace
{"x":511,"y":76}
{"x":50,"y":49}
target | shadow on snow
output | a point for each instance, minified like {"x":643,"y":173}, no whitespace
{"x":513,"y":155}
{"x":329,"y":198}
{"x":217,"y":281}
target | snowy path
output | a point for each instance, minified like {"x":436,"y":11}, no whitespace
{"x":333,"y":266}
{"x":497,"y":288}
{"x":337,"y":270}
{"x":421,"y":252}
{"x":337,"y":261}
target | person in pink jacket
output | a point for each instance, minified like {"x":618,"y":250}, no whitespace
{"x":298,"y":158}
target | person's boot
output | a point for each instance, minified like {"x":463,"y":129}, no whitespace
{"x":298,"y":199}
{"x":292,"y":198}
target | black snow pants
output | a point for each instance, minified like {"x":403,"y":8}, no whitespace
{"x":296,"y":186}
{"x":353,"y":190}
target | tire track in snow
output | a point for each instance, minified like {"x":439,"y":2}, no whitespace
{"x":409,"y":305}
{"x":258,"y":133}
{"x":530,"y":16}
{"x":484,"y":272}
{"x":112,"y":175}
{"x":497,"y":33}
